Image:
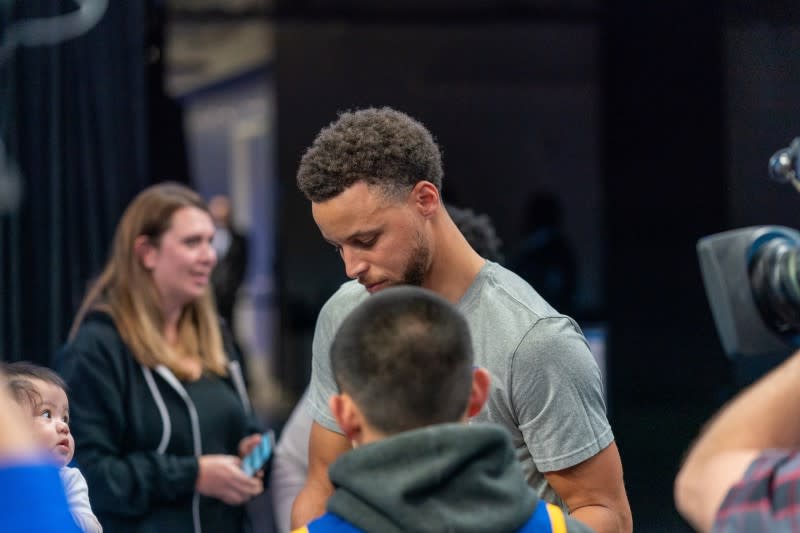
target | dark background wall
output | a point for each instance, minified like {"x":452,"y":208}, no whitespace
{"x":638,"y":114}
{"x":664,"y":178}
{"x":510,"y":116}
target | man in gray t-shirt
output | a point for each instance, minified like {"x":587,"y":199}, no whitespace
{"x":546,"y":387}
{"x":374,"y":179}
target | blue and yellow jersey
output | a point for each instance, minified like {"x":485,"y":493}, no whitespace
{"x":546,"y":518}
{"x":328,"y":523}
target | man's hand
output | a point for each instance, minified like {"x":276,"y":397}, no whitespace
{"x":595,"y":493}
{"x":324,"y":447}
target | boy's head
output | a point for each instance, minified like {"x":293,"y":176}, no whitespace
{"x":403,"y":360}
{"x":43,"y":392}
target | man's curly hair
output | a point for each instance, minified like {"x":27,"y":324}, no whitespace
{"x":381,"y":147}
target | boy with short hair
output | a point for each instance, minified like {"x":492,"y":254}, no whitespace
{"x":403,"y":362}
{"x":43,"y":393}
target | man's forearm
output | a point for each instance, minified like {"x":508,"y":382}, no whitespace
{"x":310,"y":503}
{"x":602,"y":519}
{"x":763,"y":416}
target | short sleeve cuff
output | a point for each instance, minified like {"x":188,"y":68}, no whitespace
{"x":578,"y":456}
{"x":321,"y":413}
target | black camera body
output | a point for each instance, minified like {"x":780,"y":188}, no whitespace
{"x":752,"y":280}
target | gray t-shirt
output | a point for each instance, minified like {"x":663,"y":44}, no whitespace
{"x":546,"y":387}
{"x":290,"y":464}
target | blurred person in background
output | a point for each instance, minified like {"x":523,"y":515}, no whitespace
{"x":231,"y":248}
{"x":160,"y":413}
{"x":544,"y":257}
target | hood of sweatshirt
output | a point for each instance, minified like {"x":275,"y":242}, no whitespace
{"x":449,"y":477}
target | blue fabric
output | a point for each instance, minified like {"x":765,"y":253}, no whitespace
{"x":32,"y":500}
{"x":539,"y":521}
{"x":330,"y":523}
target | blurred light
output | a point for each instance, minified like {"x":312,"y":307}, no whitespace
{"x":52,"y":30}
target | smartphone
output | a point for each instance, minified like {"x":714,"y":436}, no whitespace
{"x":261,"y":454}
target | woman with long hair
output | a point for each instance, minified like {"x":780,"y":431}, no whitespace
{"x":160,"y":413}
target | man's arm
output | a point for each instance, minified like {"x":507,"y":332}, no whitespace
{"x":557,"y":392}
{"x":765,"y":415}
{"x":323,"y":448}
{"x":595,"y":493}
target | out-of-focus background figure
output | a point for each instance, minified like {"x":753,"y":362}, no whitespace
{"x":545,"y":258}
{"x":231,"y":248}
{"x":479,"y":232}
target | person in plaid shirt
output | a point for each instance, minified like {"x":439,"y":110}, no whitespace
{"x":743,"y":473}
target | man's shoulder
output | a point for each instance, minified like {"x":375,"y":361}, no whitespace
{"x":345,"y":299}
{"x":504,"y":299}
{"x":505,"y":288}
{"x":349,"y":292}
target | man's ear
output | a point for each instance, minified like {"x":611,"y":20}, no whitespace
{"x":481,"y":379}
{"x":425,"y":197}
{"x":347,"y":415}
{"x":143,"y":249}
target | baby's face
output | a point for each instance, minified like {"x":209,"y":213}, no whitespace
{"x":51,"y":421}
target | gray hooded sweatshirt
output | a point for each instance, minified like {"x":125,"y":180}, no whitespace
{"x":444,"y":478}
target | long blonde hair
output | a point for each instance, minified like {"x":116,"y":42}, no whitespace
{"x":125,"y":289}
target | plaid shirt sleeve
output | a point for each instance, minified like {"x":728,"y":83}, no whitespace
{"x":766,"y":499}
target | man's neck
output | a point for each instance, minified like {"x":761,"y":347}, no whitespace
{"x":454,"y":265}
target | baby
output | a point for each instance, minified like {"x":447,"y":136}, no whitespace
{"x":43,"y":392}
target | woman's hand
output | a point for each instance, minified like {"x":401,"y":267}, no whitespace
{"x":221,"y":477}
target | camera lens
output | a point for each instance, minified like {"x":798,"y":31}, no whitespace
{"x":774,"y":271}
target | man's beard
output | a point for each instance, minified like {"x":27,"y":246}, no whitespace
{"x":418,"y":263}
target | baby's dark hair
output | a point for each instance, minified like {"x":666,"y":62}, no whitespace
{"x":20,"y":374}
